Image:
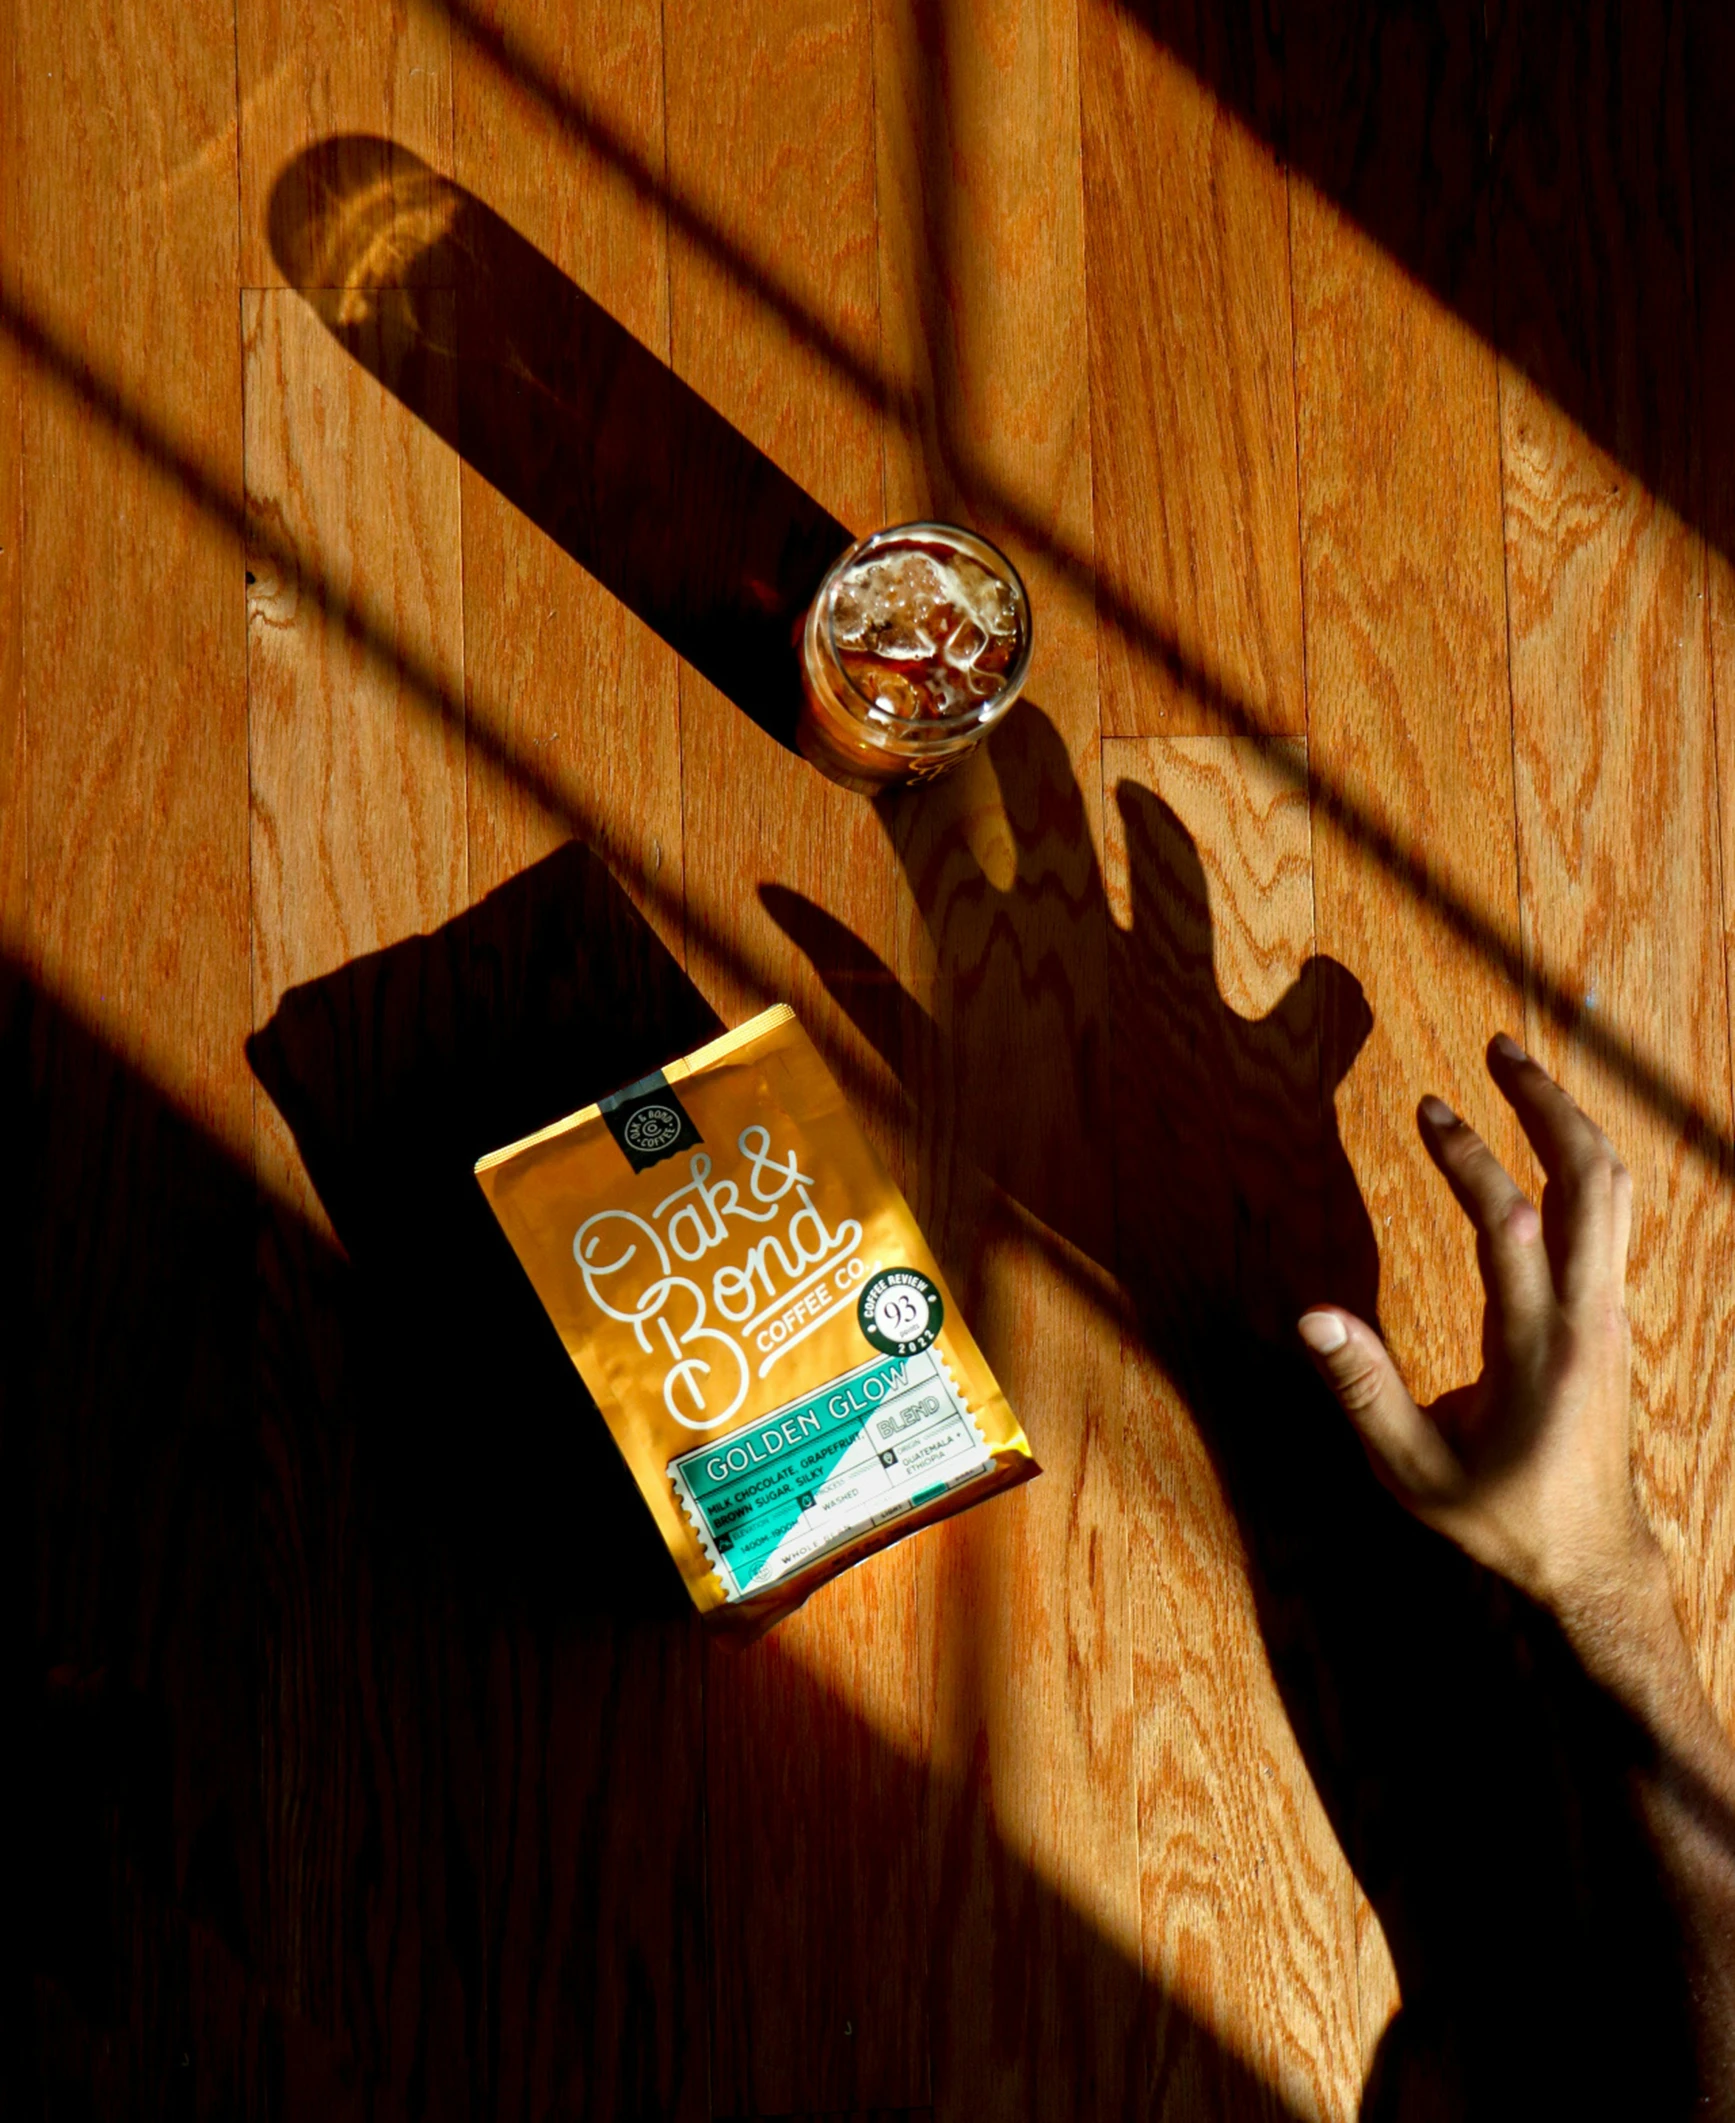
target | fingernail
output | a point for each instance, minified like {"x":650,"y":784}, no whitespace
{"x":1438,"y":1113}
{"x":1322,"y":1332}
{"x":1509,"y":1047}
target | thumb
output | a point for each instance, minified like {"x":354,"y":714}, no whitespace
{"x":1406,"y":1449}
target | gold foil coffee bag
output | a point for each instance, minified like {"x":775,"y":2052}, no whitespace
{"x":768,"y":1337}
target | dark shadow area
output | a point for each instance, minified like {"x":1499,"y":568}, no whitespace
{"x":358,"y":1742}
{"x":395,"y":1074}
{"x":563,"y":411}
{"x":1476,"y":1782}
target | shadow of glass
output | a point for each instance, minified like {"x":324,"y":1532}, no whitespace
{"x":1475,"y":1781}
{"x":563,"y":411}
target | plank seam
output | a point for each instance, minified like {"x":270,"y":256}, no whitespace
{"x":706,"y":1919}
{"x":463,"y":671}
{"x":1708,"y":632}
{"x":1526,"y":954}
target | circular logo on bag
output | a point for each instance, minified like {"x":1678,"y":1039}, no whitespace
{"x":651,"y":1128}
{"x":900,"y":1312}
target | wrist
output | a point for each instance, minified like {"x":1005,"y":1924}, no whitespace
{"x":1618,"y":1608}
{"x":1622,"y":1622}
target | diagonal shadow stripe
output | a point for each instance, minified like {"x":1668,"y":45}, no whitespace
{"x":510,"y":263}
{"x":53,"y":354}
{"x":222,"y":1454}
{"x":1702,"y":1130}
{"x":368,"y":624}
{"x":372,"y":629}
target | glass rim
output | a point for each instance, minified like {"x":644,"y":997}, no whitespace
{"x":978,"y":547}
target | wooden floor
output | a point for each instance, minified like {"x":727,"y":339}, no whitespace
{"x":419,"y":424}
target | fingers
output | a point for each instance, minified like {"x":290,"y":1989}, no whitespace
{"x":1578,"y":1157}
{"x":1404,"y":1446}
{"x":1504,"y":1217}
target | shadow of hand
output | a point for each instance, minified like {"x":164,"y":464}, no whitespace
{"x":1094,"y":1071}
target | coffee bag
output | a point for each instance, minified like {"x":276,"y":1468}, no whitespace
{"x":758,"y":1317}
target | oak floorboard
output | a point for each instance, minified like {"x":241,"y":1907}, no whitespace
{"x":1192,"y":404}
{"x":14,"y":786}
{"x":818,"y":1950}
{"x":1398,"y":416}
{"x":1710,"y":57}
{"x":559,"y":667}
{"x":1613,"y":748}
{"x":1003,"y":960}
{"x":1407,"y":705}
{"x":127,"y":1634}
{"x":308,"y":72}
{"x":358,"y":801}
{"x":116,"y":920}
{"x":358,"y":828}
{"x":1612,"y":684}
{"x":1247,"y":1906}
{"x":1611,"y":674}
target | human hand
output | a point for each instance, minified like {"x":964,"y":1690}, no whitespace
{"x":1527,"y":1469}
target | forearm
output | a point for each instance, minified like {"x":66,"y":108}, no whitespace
{"x":1528,"y":1470}
{"x":1628,"y":1636}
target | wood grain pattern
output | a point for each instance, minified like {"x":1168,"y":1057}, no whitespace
{"x":1193,"y":411}
{"x":358,"y":800}
{"x":1407,"y":707}
{"x":1710,"y":55}
{"x":770,"y":132}
{"x":1611,"y":685}
{"x":556,"y":666}
{"x":1209,"y":844}
{"x":351,"y":1794}
{"x":983,"y":321}
{"x":119,"y":922}
{"x":594,"y":1737}
{"x":13,"y":800}
{"x":983,"y":324}
{"x":309,"y":71}
{"x":1246,"y":812}
{"x":127,"y":1632}
{"x":359,"y":840}
{"x":770,"y":116}
{"x":1613,"y":728}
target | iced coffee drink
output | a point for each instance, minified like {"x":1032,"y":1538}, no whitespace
{"x":917,"y":643}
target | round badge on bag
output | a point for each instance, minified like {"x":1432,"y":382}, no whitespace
{"x":652,"y":1128}
{"x":901,"y":1312}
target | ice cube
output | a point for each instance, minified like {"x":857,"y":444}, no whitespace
{"x":883,"y":605}
{"x":922,"y":634}
{"x":964,"y":644}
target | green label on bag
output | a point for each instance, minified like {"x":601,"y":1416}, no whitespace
{"x":769,"y":1497}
